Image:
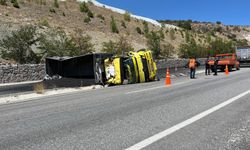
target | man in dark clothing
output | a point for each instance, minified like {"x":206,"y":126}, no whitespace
{"x":207,"y":67}
{"x":215,"y":66}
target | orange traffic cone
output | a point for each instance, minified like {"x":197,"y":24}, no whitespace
{"x":226,"y":70}
{"x":168,"y":80}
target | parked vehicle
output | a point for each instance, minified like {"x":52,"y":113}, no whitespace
{"x":229,"y":60}
{"x":243,"y":54}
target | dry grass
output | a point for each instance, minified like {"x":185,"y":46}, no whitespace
{"x":39,"y":88}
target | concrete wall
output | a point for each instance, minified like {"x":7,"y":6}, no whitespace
{"x":172,"y":63}
{"x":19,"y":73}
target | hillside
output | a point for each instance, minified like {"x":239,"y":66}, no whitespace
{"x":44,"y":14}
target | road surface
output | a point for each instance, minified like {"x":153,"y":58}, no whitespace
{"x":200,"y":114}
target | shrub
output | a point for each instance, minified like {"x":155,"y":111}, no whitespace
{"x":3,"y":2}
{"x":39,"y":88}
{"x":172,"y":34}
{"x":138,"y":30}
{"x":15,"y":3}
{"x":162,"y":35}
{"x":44,"y":22}
{"x":52,"y":10}
{"x":56,"y":4}
{"x":18,"y":45}
{"x":113,"y":25}
{"x":90,"y":14}
{"x":145,"y":25}
{"x":100,"y":17}
{"x":127,"y":16}
{"x":83,"y":7}
{"x":87,"y":20}
{"x":123,"y":25}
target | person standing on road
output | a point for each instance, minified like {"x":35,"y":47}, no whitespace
{"x":216,"y":66}
{"x":192,"y":64}
{"x":207,"y":67}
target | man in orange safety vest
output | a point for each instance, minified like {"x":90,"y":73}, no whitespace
{"x":192,"y":65}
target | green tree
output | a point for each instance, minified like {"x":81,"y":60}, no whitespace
{"x":113,"y":25}
{"x":167,"y":50}
{"x":55,"y":42}
{"x":18,"y":45}
{"x":109,"y":47}
{"x":120,"y":47}
{"x":83,"y":44}
{"x":154,"y":43}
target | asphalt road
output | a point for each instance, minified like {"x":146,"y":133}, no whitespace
{"x":17,"y":89}
{"x":119,"y":117}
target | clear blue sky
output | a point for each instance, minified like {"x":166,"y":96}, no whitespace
{"x":230,"y":12}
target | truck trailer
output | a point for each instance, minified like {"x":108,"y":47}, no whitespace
{"x":243,"y":55}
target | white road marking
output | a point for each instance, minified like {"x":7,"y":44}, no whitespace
{"x":157,"y":87}
{"x":183,"y":124}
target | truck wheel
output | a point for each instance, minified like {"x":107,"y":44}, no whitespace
{"x":229,"y":68}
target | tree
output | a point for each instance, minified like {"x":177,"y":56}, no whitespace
{"x":154,"y":43}
{"x":113,"y":25}
{"x":218,"y":22}
{"x":167,"y":50}
{"x":55,"y":42}
{"x":82,"y":43}
{"x":109,"y":47}
{"x":120,"y":47}
{"x":18,"y":45}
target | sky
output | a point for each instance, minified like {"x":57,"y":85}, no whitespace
{"x":229,"y":12}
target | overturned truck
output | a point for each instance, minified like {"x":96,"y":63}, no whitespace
{"x":103,"y":68}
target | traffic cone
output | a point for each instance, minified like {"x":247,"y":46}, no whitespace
{"x":168,"y":80}
{"x":226,"y":70}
